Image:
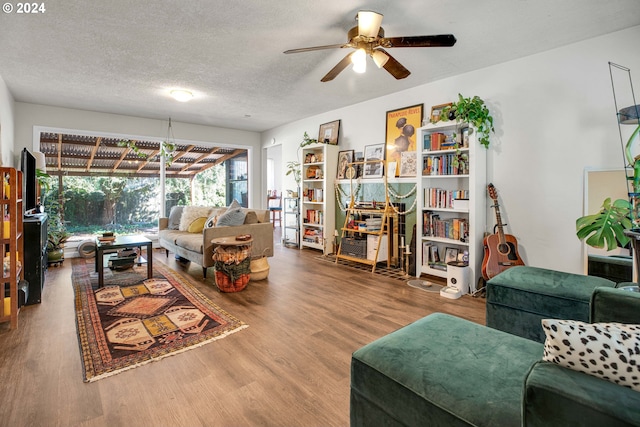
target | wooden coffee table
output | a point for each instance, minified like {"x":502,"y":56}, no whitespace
{"x":122,"y":242}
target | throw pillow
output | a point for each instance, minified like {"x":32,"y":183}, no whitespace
{"x":231,"y":217}
{"x":610,"y":351}
{"x":174,"y":217}
{"x":234,"y":204}
{"x":197,"y":225}
{"x":211,"y":221}
{"x":190,"y":214}
{"x":251,"y":218}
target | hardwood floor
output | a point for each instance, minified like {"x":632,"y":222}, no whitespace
{"x":290,"y":367}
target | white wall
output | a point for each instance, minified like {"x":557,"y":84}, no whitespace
{"x":29,"y":115}
{"x":6,"y":125}
{"x":554,"y":116}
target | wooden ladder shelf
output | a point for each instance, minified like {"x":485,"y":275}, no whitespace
{"x":357,"y":209}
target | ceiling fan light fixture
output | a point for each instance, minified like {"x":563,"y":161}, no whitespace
{"x":181,"y":95}
{"x":359,"y":59}
{"x":369,"y":23}
{"x":380,"y":58}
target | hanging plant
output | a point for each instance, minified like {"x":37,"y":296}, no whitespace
{"x":473,"y":111}
{"x":166,"y":150}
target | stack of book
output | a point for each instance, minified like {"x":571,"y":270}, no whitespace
{"x":106,"y":237}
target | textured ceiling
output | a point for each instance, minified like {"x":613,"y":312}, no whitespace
{"x":122,"y":57}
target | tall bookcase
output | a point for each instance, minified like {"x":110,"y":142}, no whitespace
{"x":317,"y":204}
{"x":451,"y":218}
{"x":11,"y":237}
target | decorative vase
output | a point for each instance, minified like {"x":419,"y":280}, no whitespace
{"x":55,"y":255}
{"x":259,"y":268}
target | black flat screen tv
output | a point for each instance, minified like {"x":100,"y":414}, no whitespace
{"x":29,"y":182}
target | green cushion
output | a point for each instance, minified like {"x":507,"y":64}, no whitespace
{"x":555,"y":396}
{"x":441,"y":370}
{"x":520,"y":297}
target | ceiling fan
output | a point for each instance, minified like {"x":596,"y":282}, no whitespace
{"x":368,"y":39}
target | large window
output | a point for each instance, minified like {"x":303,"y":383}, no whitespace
{"x":127,"y":205}
{"x":237,"y":188}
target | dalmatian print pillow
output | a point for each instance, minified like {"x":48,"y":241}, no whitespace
{"x":610,"y":351}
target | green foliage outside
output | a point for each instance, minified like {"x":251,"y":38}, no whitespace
{"x":127,"y":205}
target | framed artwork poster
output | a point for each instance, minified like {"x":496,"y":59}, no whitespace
{"x":408,"y":163}
{"x":344,"y":158}
{"x":372,"y":168}
{"x":401,"y":132}
{"x":329,"y":132}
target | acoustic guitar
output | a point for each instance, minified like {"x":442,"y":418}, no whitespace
{"x":500,"y":250}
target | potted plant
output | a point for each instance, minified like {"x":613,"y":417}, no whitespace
{"x":57,"y":234}
{"x":473,"y":111}
{"x":293,"y":168}
{"x":606,"y":228}
{"x":306,"y":140}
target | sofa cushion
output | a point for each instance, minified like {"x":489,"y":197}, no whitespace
{"x":197,"y":225}
{"x":251,"y":218}
{"x":441,"y":370}
{"x":174,"y":217}
{"x":170,"y":235}
{"x":190,"y":214}
{"x":232,"y":217}
{"x":190,"y":241}
{"x":610,"y":351}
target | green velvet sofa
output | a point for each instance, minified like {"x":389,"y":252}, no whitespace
{"x":446,"y":371}
{"x":520,"y":297}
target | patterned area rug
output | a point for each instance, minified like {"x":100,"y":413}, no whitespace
{"x":133,"y":320}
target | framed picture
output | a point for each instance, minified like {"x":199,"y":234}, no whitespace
{"x":401,"y":132}
{"x":329,"y":132}
{"x":436,"y":112}
{"x":344,"y":158}
{"x":373,"y":169}
{"x":408,"y":163}
{"x":450,"y":255}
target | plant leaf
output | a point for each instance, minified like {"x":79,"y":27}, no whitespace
{"x":606,"y":228}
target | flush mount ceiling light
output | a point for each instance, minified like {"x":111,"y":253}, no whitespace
{"x":181,"y":95}
{"x":368,"y":38}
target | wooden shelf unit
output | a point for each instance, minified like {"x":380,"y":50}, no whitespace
{"x":11,"y":237}
{"x":354,"y":209}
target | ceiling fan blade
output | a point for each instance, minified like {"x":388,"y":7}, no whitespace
{"x":442,"y":40}
{"x":338,"y":68}
{"x":309,"y":49}
{"x":369,"y":23}
{"x":395,"y":68}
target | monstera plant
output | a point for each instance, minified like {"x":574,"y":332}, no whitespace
{"x":606,"y":228}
